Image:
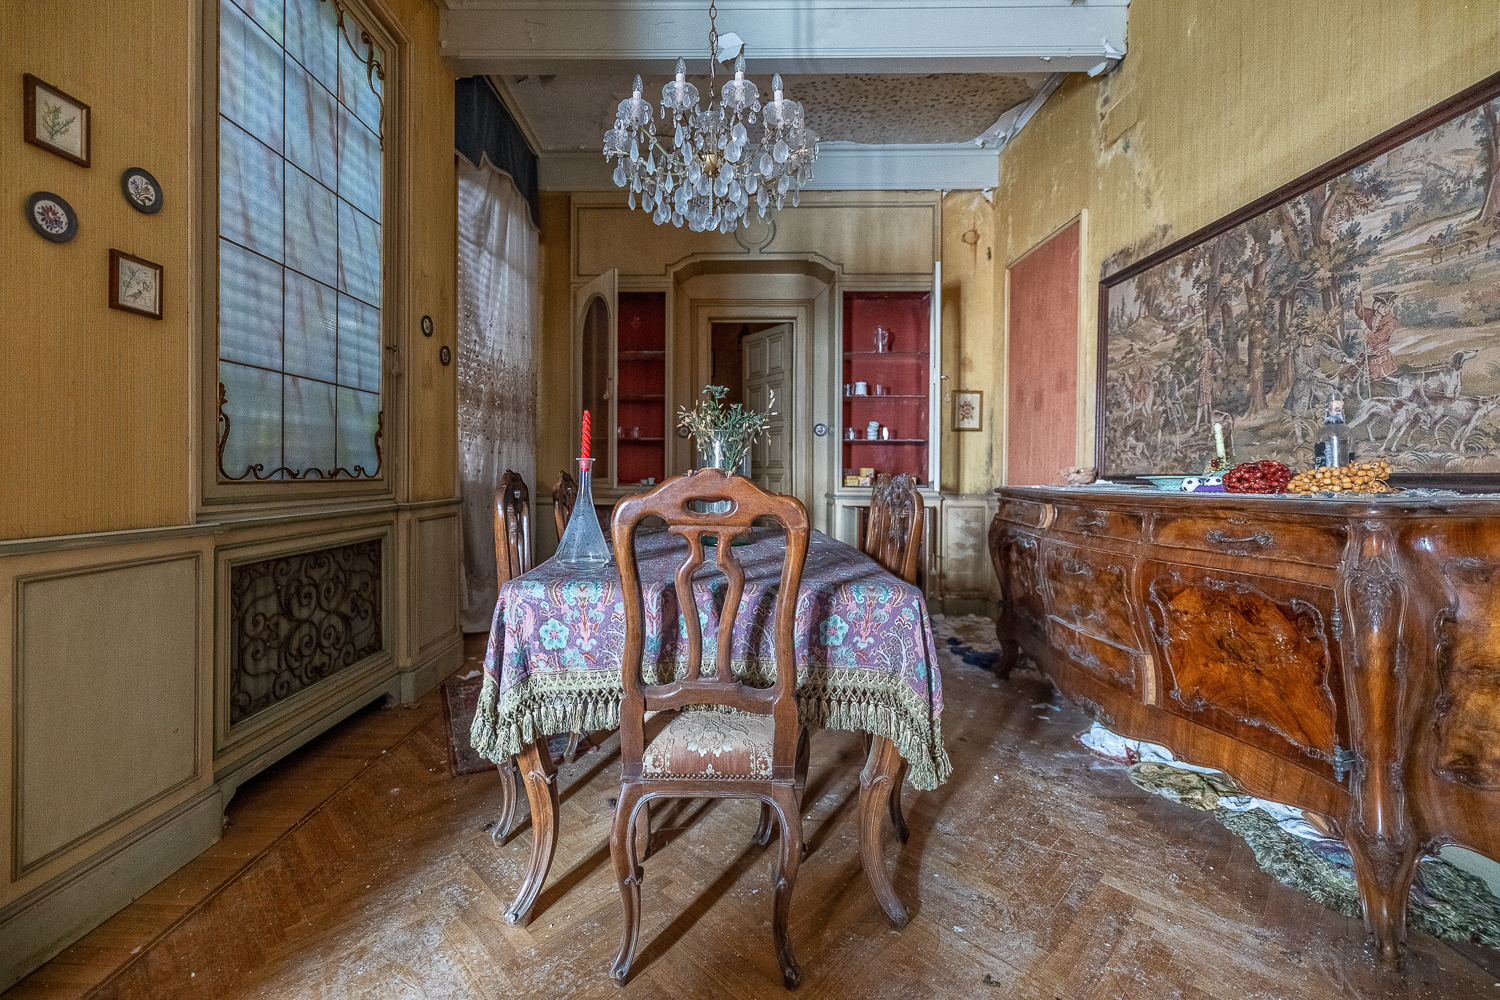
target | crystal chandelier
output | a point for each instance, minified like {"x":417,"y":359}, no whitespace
{"x":712,"y":170}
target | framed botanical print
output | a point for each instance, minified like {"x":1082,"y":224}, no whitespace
{"x":1374,"y":279}
{"x":56,"y":122}
{"x":968,"y":410}
{"x":134,"y":284}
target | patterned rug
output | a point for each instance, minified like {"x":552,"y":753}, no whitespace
{"x":1446,"y":901}
{"x":460,"y":695}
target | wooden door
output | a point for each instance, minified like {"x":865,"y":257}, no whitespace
{"x":1041,"y":414}
{"x":595,"y":328}
{"x":768,"y":370}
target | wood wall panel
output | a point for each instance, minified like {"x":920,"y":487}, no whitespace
{"x":867,"y":232}
{"x":107,"y":682}
{"x":1042,"y":381}
{"x":434,"y":581}
{"x":431,"y":388}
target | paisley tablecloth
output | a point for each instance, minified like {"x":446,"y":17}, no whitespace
{"x":865,"y":655}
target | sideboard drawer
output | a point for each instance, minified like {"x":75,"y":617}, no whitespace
{"x":1097,"y":523}
{"x":1237,"y":535}
{"x":1032,"y":515}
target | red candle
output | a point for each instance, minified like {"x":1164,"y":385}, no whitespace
{"x":586,"y":419}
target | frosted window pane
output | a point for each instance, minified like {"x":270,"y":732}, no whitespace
{"x":359,"y":254}
{"x":312,"y":38}
{"x":355,"y":83}
{"x":249,"y":70}
{"x":266,"y":13}
{"x":309,"y":425}
{"x":311,"y":227}
{"x":310,"y":139}
{"x":252,"y":402}
{"x":249,"y":192}
{"x":311,"y":327}
{"x":359,"y":414}
{"x":249,"y":307}
{"x":300,"y":265}
{"x":359,"y":344}
{"x":359,"y":165}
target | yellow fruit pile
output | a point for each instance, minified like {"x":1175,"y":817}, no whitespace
{"x":1361,"y":477}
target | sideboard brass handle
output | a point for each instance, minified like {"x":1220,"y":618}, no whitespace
{"x":1092,"y":522}
{"x":1218,"y":537}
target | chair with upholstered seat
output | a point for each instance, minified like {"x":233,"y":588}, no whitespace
{"x":512,"y":558}
{"x":755,"y":750}
{"x":893,"y":538}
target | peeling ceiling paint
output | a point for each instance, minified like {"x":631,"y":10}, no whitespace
{"x":572,"y":112}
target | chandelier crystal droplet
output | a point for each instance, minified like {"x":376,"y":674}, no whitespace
{"x":701,"y":166}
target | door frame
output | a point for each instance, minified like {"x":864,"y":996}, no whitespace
{"x":797,"y":312}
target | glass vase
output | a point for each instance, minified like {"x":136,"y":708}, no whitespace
{"x":583,"y":544}
{"x":723,"y":450}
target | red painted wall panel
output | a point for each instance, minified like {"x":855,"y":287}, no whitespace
{"x":1041,"y":423}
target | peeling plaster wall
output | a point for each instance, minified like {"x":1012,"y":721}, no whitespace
{"x":1215,"y":105}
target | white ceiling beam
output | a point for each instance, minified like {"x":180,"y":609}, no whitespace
{"x":788,"y":36}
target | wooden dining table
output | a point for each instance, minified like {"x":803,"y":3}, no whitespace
{"x":865,"y":654}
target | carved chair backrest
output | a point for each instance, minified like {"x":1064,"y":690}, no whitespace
{"x":893,"y":531}
{"x":564,"y":496}
{"x":672,"y":501}
{"x":512,"y":527}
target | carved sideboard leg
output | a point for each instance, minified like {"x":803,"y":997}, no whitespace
{"x":1379,"y":829}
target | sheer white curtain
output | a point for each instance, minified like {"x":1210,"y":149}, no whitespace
{"x":497,"y":320}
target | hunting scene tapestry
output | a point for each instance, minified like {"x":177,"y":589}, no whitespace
{"x":1379,"y":283}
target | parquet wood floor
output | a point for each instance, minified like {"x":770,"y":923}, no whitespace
{"x":1037,"y":873}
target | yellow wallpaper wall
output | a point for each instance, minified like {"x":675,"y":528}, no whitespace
{"x":94,"y":402}
{"x":1216,"y":104}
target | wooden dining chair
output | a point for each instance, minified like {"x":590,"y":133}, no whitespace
{"x":512,"y":527}
{"x":513,"y":556}
{"x":893,"y":538}
{"x":564,"y":496}
{"x":758,"y":750}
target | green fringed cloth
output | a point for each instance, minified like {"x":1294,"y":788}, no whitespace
{"x":865,"y":655}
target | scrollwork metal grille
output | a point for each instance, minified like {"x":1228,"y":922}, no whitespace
{"x":296,"y":620}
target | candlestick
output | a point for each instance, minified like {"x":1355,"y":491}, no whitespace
{"x":586,"y":434}
{"x":1219,"y":439}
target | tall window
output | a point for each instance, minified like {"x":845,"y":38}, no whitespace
{"x":299,"y":243}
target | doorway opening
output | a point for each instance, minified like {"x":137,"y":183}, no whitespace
{"x":752,"y":360}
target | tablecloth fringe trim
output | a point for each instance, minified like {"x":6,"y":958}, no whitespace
{"x":537,"y":714}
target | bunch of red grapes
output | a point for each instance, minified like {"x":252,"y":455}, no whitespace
{"x":1264,"y":476}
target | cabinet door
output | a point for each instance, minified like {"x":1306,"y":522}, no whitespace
{"x":595,"y":328}
{"x":934,"y":379}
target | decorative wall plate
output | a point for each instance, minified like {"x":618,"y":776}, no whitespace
{"x":426,"y":326}
{"x":445,"y":355}
{"x":141,"y":190}
{"x":52,"y":217}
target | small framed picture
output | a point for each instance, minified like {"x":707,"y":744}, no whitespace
{"x":134,"y":284}
{"x":968,"y":410}
{"x":141,"y":190}
{"x":56,"y":122}
{"x":52,"y":217}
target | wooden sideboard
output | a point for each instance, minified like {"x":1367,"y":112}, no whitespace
{"x":1342,"y":657}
